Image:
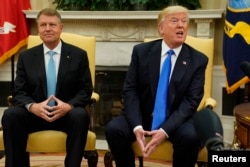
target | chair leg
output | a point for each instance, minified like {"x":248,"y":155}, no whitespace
{"x":108,"y":158}
{"x":140,"y":161}
{"x":2,"y":154}
{"x":92,"y":157}
{"x":202,"y":164}
{"x":27,"y":159}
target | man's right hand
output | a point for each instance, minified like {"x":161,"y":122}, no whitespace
{"x":140,"y":137}
{"x":42,"y":109}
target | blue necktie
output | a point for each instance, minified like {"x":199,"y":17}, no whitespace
{"x":160,"y":108}
{"x":51,"y":77}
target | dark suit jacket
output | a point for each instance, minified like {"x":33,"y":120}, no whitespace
{"x":74,"y":85}
{"x":186,"y":87}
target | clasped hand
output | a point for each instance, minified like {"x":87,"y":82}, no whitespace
{"x":50,"y":113}
{"x":157,"y":136}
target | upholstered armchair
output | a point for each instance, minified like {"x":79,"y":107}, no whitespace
{"x":51,"y":141}
{"x":164,"y":151}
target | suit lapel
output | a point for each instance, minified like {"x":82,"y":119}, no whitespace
{"x":154,"y":64}
{"x":181,"y":65}
{"x":39,"y":65}
{"x":65,"y":60}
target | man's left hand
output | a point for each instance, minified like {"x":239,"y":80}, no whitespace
{"x":158,"y":136}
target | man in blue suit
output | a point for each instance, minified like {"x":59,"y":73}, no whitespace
{"x":186,"y":89}
{"x":31,"y":111}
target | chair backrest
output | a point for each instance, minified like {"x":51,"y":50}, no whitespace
{"x":206,"y":46}
{"x":84,"y":42}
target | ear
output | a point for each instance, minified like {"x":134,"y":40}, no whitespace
{"x":161,"y":29}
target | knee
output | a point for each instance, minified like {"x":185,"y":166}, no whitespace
{"x":79,"y":115}
{"x":110,"y":129}
{"x":186,"y":140}
{"x":12,"y":115}
{"x":190,"y":141}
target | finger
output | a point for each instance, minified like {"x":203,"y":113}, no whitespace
{"x":149,"y":146}
{"x":148,"y":133}
{"x":49,"y":119}
{"x":148,"y":152}
{"x":141,"y":145}
{"x":50,"y":98}
{"x":50,"y":114}
{"x":53,"y":118}
{"x":56,"y":99}
{"x":144,"y":141}
{"x":149,"y":149}
{"x":45,"y":117}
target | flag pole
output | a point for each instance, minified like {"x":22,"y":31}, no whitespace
{"x":12,"y":72}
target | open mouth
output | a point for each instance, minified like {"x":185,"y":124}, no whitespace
{"x":180,"y":33}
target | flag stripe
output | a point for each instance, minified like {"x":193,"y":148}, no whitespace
{"x":236,"y":46}
{"x":14,"y":28}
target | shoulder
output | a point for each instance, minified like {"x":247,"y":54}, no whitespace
{"x":36,"y":50}
{"x":149,"y":44}
{"x":147,"y":47}
{"x":194,"y":52}
{"x":68,"y":48}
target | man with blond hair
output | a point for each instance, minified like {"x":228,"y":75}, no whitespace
{"x":185,"y":89}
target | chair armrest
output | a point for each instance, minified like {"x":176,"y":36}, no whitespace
{"x":10,"y":100}
{"x":95,"y":97}
{"x":210,"y":103}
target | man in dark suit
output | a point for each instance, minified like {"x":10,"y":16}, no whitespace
{"x":31,"y":111}
{"x":186,"y":89}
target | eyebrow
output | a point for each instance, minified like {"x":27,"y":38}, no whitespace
{"x":178,"y":18}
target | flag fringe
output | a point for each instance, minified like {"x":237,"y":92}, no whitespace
{"x":13,"y":50}
{"x":235,"y":86}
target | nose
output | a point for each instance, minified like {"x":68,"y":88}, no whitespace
{"x":47,"y":27}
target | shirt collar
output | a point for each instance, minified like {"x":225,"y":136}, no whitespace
{"x":57,"y":49}
{"x":165,"y":48}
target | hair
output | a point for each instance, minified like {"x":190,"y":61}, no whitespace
{"x":49,"y":12}
{"x":171,"y":10}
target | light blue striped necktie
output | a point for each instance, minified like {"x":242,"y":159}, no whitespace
{"x":160,"y":108}
{"x":51,"y":77}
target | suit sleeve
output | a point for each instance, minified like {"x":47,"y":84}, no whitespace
{"x":130,"y":92}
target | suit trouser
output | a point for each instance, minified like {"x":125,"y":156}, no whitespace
{"x":120,"y":136}
{"x":17,"y":123}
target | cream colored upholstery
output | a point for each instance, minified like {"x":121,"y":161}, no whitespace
{"x":205,"y":46}
{"x":54,"y":141}
{"x":50,"y":141}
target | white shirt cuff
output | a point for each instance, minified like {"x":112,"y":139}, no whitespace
{"x":28,"y":106}
{"x":137,"y":127}
{"x":164,"y":132}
